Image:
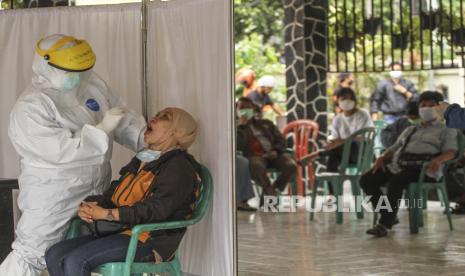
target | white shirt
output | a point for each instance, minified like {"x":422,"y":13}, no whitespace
{"x":343,"y":126}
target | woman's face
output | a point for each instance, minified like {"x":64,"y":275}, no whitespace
{"x":157,"y":127}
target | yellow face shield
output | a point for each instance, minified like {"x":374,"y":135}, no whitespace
{"x":78,"y":58}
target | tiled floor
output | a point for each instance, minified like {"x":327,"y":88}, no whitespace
{"x":290,"y":244}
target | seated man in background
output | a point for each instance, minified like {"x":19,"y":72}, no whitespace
{"x":391,"y":132}
{"x":428,"y":141}
{"x":264,"y":145}
{"x":261,"y":95}
{"x":351,"y":120}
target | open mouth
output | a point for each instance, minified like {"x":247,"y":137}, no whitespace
{"x":149,"y":129}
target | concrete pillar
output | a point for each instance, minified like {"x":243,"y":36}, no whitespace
{"x":305,"y":53}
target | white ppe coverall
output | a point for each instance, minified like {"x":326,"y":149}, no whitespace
{"x":64,"y":158}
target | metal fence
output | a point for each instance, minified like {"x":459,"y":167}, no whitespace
{"x":367,"y":35}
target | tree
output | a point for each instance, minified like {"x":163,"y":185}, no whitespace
{"x":263,"y":17}
{"x":5,"y":4}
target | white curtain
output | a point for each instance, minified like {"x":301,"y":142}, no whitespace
{"x":189,"y":61}
{"x":112,"y":31}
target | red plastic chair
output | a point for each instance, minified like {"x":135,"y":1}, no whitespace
{"x":304,"y":134}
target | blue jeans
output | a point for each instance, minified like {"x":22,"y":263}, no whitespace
{"x":78,"y":257}
{"x":244,"y":189}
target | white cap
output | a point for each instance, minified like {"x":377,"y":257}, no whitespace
{"x":267,"y":81}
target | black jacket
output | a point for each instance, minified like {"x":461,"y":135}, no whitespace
{"x":388,"y":101}
{"x":169,"y":198}
{"x":391,"y":132}
{"x":269,"y":130}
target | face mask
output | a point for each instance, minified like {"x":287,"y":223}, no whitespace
{"x":71,"y":81}
{"x":246,"y":112}
{"x":148,"y":155}
{"x":427,"y":114}
{"x":346,"y":105}
{"x":395,"y":74}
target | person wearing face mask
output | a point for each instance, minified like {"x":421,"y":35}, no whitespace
{"x":401,"y":164}
{"x":265,"y":147}
{"x":392,"y":95}
{"x":161,"y":183}
{"x":345,"y":80}
{"x":344,"y":124}
{"x":261,"y":95}
{"x":63,"y":127}
{"x":391,"y":132}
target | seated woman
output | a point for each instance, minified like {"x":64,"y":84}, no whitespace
{"x":346,"y":123}
{"x":159,"y":184}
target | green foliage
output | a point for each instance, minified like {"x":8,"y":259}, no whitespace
{"x":451,"y":13}
{"x":258,"y":29}
{"x":264,"y":17}
{"x":345,"y":16}
{"x":262,"y":58}
{"x":5,"y":4}
{"x":381,"y":45}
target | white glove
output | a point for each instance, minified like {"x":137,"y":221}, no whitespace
{"x":112,"y":119}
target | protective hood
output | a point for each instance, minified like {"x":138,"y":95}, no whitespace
{"x":48,"y":77}
{"x":77,"y":57}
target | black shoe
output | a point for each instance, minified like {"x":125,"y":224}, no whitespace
{"x":378,"y":230}
{"x":396,"y":221}
{"x":458,"y":210}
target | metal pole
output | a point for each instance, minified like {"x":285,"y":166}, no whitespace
{"x":232,"y":125}
{"x":144,"y":58}
{"x":337,"y":35}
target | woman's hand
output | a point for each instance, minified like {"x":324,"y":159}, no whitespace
{"x":91,"y":211}
{"x":379,"y":164}
{"x":84,"y":214}
{"x":334,"y":144}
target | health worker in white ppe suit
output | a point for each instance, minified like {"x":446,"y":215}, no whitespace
{"x":63,"y":128}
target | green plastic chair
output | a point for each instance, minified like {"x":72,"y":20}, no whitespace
{"x":418,"y":191}
{"x":365,"y":140}
{"x":129,"y":267}
{"x":379,"y":126}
